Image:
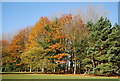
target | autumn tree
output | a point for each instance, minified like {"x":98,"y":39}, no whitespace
{"x":38,"y":33}
{"x":56,"y":39}
{"x":34,"y":59}
{"x":65,"y":42}
{"x":75,"y":31}
{"x":3,"y":44}
{"x":6,"y":59}
{"x":17,"y":46}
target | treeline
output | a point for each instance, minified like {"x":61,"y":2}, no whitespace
{"x":64,"y":45}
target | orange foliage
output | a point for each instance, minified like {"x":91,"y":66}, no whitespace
{"x":65,"y":18}
{"x":38,"y":33}
{"x":17,"y":44}
{"x":57,"y":61}
{"x":18,"y":64}
{"x":14,"y":61}
{"x":59,"y":56}
{"x":3,"y":46}
{"x":62,"y":62}
{"x":3,"y":43}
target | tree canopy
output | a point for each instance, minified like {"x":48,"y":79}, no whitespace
{"x":65,"y":45}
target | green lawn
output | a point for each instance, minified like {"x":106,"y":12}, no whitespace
{"x":51,"y":76}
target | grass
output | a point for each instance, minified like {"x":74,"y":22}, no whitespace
{"x":17,"y":72}
{"x":51,"y":76}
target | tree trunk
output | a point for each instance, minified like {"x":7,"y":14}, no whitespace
{"x":71,"y":64}
{"x":67,"y":69}
{"x":42,"y":69}
{"x":54,"y":70}
{"x":30,"y":69}
{"x":93,"y":63}
{"x":37,"y":69}
{"x":85,"y":71}
{"x":74,"y":66}
{"x":80,"y":68}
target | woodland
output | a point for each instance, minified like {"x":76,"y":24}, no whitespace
{"x":66,"y":44}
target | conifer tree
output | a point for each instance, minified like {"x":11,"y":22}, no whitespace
{"x":96,"y":51}
{"x":100,"y":48}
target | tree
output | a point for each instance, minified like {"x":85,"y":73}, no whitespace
{"x":114,"y":50}
{"x":35,"y":58}
{"x":61,"y":61}
{"x":6,"y":59}
{"x":56,"y":39}
{"x":65,"y":43}
{"x":92,"y":13}
{"x":99,"y":46}
{"x":75,"y":31}
{"x":96,"y":40}
{"x":38,"y":33}
{"x":3,"y":48}
{"x":17,"y":46}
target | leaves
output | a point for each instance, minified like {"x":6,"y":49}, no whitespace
{"x":65,"y":43}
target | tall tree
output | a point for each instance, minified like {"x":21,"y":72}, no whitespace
{"x":38,"y":33}
{"x":35,"y":58}
{"x":99,"y":46}
{"x":75,"y":31}
{"x":17,"y":46}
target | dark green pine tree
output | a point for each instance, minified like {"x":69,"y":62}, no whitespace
{"x":80,"y":48}
{"x":114,"y":50}
{"x":109,"y":58}
{"x":98,"y":59}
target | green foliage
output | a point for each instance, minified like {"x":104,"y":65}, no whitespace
{"x":35,"y":58}
{"x":65,"y":44}
{"x":104,"y":47}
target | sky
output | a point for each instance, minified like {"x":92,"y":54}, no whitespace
{"x":18,"y":15}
